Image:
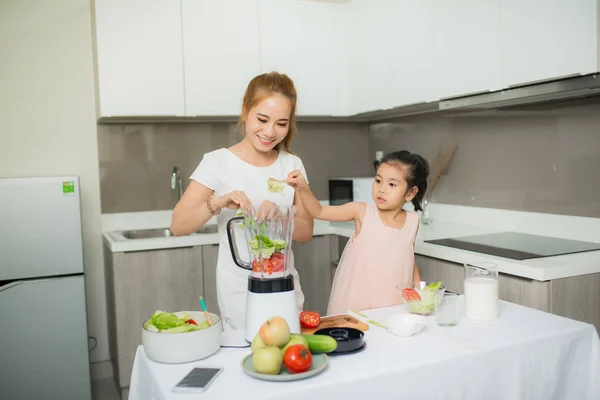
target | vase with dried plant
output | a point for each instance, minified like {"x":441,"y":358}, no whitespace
{"x":438,"y":168}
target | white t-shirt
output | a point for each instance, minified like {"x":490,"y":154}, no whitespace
{"x":224,"y":172}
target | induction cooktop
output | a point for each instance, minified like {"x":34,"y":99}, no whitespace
{"x":518,"y":246}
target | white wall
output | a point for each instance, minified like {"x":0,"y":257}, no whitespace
{"x":48,"y":117}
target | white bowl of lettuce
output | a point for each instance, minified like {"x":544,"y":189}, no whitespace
{"x":181,"y":337}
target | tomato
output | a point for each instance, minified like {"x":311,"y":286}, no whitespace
{"x":310,"y":319}
{"x":410,"y":294}
{"x":256,"y":267}
{"x":263,"y":265}
{"x":277,"y":261}
{"x":267,"y":267}
{"x":191,"y":321}
{"x":297,"y":358}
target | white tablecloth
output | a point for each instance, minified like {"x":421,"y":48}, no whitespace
{"x":525,"y":354}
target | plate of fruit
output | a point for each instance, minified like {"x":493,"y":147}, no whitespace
{"x":278,"y":355}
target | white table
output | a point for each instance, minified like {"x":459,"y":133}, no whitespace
{"x":525,"y":354}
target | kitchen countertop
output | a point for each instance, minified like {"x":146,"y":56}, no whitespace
{"x":451,"y":221}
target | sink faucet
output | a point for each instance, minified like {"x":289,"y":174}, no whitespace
{"x":176,"y":182}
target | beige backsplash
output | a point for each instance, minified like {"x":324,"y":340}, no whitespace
{"x":136,"y":160}
{"x":540,"y":159}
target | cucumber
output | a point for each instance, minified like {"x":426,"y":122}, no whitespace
{"x":320,"y":343}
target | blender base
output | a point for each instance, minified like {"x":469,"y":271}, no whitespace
{"x":262,"y":306}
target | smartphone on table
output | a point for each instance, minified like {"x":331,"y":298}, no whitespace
{"x":197,"y":380}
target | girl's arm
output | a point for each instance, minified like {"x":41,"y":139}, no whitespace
{"x":344,"y":213}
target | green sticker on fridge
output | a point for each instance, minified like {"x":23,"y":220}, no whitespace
{"x":68,"y":188}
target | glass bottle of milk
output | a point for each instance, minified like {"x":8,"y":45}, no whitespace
{"x":481,"y":291}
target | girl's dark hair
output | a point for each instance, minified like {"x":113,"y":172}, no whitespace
{"x":416,"y":175}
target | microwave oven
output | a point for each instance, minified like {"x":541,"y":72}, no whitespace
{"x":346,"y":190}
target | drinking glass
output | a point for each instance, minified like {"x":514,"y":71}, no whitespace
{"x":446,"y":310}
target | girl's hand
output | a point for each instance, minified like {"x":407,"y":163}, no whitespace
{"x":296,"y":180}
{"x":236,"y":200}
{"x":267,"y":211}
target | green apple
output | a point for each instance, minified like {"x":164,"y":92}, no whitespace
{"x":268,"y":360}
{"x":257,"y":343}
{"x":296,"y":339}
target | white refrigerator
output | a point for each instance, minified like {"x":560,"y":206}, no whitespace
{"x":43,"y":325}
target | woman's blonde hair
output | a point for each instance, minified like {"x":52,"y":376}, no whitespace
{"x":263,"y":86}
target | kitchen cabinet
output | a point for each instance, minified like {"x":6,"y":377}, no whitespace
{"x":578,"y":298}
{"x":524,"y":291}
{"x":313,"y":263}
{"x":338,"y":244}
{"x":210,"y":255}
{"x":221,"y":54}
{"x":196,"y":57}
{"x":466,"y":39}
{"x":140,"y":60}
{"x":139,"y":283}
{"x":412,"y":62}
{"x":371,"y":46}
{"x":548,"y":39}
{"x":299,"y":38}
{"x":433,"y":270}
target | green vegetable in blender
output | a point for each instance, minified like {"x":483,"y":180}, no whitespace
{"x":265,"y":246}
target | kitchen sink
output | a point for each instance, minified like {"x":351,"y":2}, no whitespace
{"x":163,"y":232}
{"x":147,"y":234}
{"x":208,"y":229}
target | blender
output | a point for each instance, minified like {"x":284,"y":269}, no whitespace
{"x":267,"y":247}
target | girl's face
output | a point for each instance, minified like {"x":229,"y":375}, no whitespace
{"x":268,"y":123}
{"x":390,"y":190}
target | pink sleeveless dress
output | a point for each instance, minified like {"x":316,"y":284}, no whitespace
{"x":373,"y":263}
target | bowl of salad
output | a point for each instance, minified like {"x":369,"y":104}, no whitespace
{"x":421,"y":298}
{"x":181,"y":337}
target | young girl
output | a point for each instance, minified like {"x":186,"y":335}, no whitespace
{"x":380,"y":255}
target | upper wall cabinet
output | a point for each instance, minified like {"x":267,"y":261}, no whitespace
{"x":299,"y":38}
{"x":466,"y":46}
{"x":413,"y":63}
{"x":140,"y":61}
{"x":196,"y":57}
{"x":221,"y":54}
{"x":547,"y":39}
{"x":371,"y":44}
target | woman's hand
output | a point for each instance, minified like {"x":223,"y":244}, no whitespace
{"x":296,"y":180}
{"x":267,"y":211}
{"x":236,"y":200}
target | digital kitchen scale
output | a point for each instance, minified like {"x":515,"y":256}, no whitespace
{"x":518,"y":246}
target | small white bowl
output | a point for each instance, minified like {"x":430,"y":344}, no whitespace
{"x":406,"y":325}
{"x":174,"y":348}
